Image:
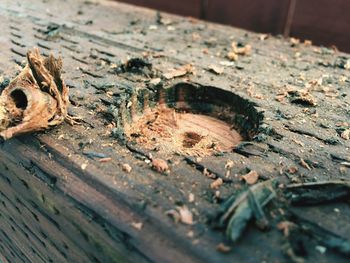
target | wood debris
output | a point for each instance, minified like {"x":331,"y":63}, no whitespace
{"x":216,"y":69}
{"x":105,"y":160}
{"x":223,"y":248}
{"x":84,"y":166}
{"x":297,"y":96}
{"x":232,"y":56}
{"x":285,"y":227}
{"x":294,"y":41}
{"x":251,"y":177}
{"x":160,"y":165}
{"x":229,"y":164}
{"x":304,"y":164}
{"x":126,"y":167}
{"x":179,"y":72}
{"x":345,"y":134}
{"x":238,"y":50}
{"x":302,"y":97}
{"x":216,"y":184}
{"x":186,"y":216}
{"x":191,"y":198}
{"x":307,"y":43}
{"x":137,"y":225}
{"x":36,"y":99}
{"x":292,"y":170}
{"x":181,"y":214}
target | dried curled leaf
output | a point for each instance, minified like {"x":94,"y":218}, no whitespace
{"x":36,"y":99}
{"x":237,"y":211}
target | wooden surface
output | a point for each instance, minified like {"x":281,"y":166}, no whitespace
{"x":59,"y":205}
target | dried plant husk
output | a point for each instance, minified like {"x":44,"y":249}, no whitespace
{"x":36,"y":99}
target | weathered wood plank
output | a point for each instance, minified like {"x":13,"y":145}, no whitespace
{"x":92,"y":210}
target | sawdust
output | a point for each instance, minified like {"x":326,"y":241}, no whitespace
{"x":167,"y":131}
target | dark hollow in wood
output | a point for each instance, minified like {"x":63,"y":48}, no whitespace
{"x":189,"y":119}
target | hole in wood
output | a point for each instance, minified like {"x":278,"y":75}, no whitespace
{"x":189,"y":119}
{"x":20,"y":99}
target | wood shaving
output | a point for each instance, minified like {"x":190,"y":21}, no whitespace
{"x":136,"y":225}
{"x":216,"y":69}
{"x":345,"y":134}
{"x":245,"y":50}
{"x":179,"y":72}
{"x":292,"y":170}
{"x":186,"y":216}
{"x":285,"y":227}
{"x":223,"y":248}
{"x":294,"y":41}
{"x":251,"y":177}
{"x":304,"y":164}
{"x":302,"y":97}
{"x":126,"y":167}
{"x":105,"y":160}
{"x":216,"y":184}
{"x":191,"y":198}
{"x":307,"y":43}
{"x":229,"y":164}
{"x":83,"y":166}
{"x":160,"y":165}
{"x":232,"y":56}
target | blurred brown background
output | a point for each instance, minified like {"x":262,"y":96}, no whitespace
{"x":325,"y":22}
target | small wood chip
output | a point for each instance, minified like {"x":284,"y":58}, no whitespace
{"x":307,"y":43}
{"x":207,"y":173}
{"x":223,"y":248}
{"x":304,"y":164}
{"x":191,"y":198}
{"x":105,"y":160}
{"x":179,"y":72}
{"x":186,"y":216}
{"x":216,"y":69}
{"x":155,"y":81}
{"x":83,"y":166}
{"x":216,"y":184}
{"x":292,"y":169}
{"x":285,"y":226}
{"x":136,"y":225}
{"x":190,"y":234}
{"x":160,"y":165}
{"x":251,"y":177}
{"x":345,"y":134}
{"x":229,"y":164}
{"x":126,"y":167}
{"x":232,"y":56}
